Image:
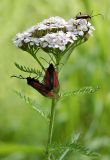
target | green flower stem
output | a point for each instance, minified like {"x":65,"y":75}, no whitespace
{"x":69,"y":50}
{"x":38,"y":61}
{"x":51,"y":128}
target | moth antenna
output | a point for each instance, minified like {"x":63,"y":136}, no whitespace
{"x":37,"y":77}
{"x":49,"y":61}
{"x":51,"y":58}
{"x":79,"y":13}
{"x":20,"y":77}
{"x":44,"y":59}
{"x":98,"y":15}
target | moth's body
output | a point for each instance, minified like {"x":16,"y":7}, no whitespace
{"x":49,"y":88}
{"x":41,"y":88}
{"x":83,"y":16}
{"x":86,"y":16}
{"x":51,"y":78}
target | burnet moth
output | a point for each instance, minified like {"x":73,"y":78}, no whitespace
{"x":51,"y":78}
{"x":41,"y":88}
{"x":85,"y":16}
{"x":50,"y":85}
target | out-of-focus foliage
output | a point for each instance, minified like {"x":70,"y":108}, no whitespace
{"x":23,"y":132}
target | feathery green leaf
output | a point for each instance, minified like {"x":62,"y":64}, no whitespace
{"x":81,"y":91}
{"x":29,"y":70}
{"x":73,"y":146}
{"x":76,"y":147}
{"x":32,"y":103}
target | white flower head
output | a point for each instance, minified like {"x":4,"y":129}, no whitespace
{"x":54,"y":33}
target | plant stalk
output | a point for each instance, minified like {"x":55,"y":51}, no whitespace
{"x":51,"y":124}
{"x":39,"y":62}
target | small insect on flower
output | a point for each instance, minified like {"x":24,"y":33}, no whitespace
{"x":51,"y":78}
{"x":85,"y":16}
{"x":41,"y":88}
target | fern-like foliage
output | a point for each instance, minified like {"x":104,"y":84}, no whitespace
{"x":81,"y":91}
{"x":74,"y":146}
{"x":32,"y":103}
{"x":28,"y":70}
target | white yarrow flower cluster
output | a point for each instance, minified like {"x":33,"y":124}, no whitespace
{"x":54,"y":33}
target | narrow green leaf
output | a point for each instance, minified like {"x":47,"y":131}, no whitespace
{"x":29,"y":70}
{"x":33,"y":104}
{"x":81,"y":91}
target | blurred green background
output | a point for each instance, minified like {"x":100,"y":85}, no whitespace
{"x":23,"y":132}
